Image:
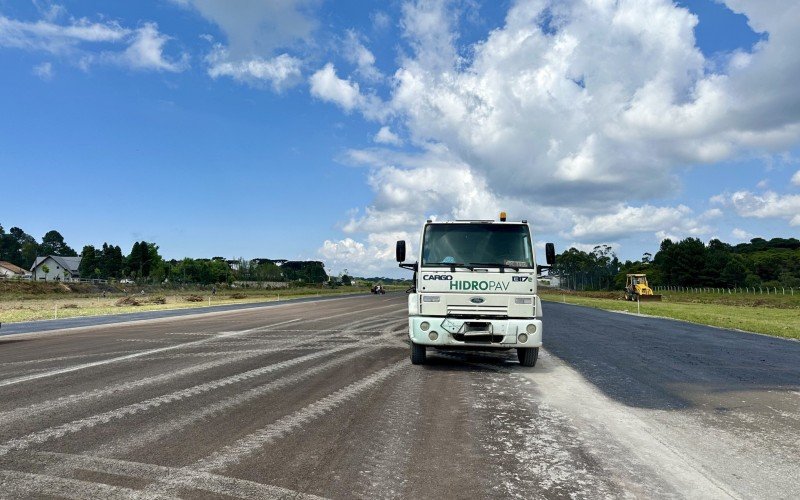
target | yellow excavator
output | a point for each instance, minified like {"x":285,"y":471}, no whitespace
{"x":636,"y":288}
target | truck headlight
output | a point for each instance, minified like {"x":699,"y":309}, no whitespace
{"x":431,"y":298}
{"x":424,"y":326}
{"x":523,"y":300}
{"x":531,"y":328}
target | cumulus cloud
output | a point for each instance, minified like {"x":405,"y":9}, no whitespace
{"x":364,"y":258}
{"x":280,"y":72}
{"x":326,"y":85}
{"x":256,"y":27}
{"x":766,"y":205}
{"x":146,"y":51}
{"x":356,"y":53}
{"x":386,"y":136}
{"x":85,"y":42}
{"x":741,"y":234}
{"x":260,"y":37}
{"x":628,"y":220}
{"x":581,"y":112}
{"x":796,"y":178}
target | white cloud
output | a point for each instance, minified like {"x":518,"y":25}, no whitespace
{"x":356,"y":53}
{"x":364,"y":259}
{"x":85,"y":43}
{"x":50,"y":11}
{"x":326,"y":85}
{"x":44,"y":71}
{"x":281,"y":72}
{"x":260,"y":37}
{"x":712,"y":213}
{"x":627,"y":220}
{"x":583,"y":122}
{"x":146,"y":51}
{"x":57,"y":38}
{"x":741,"y":234}
{"x":386,"y":136}
{"x":259,"y":28}
{"x":380,"y":20}
{"x":796,"y":178}
{"x":766,"y":205}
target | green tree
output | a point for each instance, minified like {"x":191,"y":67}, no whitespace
{"x":90,"y":262}
{"x":53,"y":244}
{"x":735,"y":272}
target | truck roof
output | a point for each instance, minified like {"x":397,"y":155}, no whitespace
{"x":475,"y":221}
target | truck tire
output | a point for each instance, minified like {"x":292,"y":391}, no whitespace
{"x":528,"y":355}
{"x":418,"y":353}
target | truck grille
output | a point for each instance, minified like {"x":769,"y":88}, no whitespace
{"x":477,"y":310}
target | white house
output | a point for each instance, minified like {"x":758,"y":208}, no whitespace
{"x":58,"y":268}
{"x":9,"y":270}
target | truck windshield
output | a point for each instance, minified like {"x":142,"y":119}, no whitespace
{"x":477,"y":244}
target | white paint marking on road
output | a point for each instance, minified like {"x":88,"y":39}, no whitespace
{"x":213,"y":483}
{"x":26,"y":412}
{"x":63,"y":358}
{"x":248,"y":445}
{"x":135,"y":408}
{"x":51,"y":373}
{"x":25,"y":484}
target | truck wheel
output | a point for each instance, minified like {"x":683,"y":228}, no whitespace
{"x":418,"y":353}
{"x":528,"y":355}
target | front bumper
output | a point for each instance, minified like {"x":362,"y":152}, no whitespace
{"x":474,"y":332}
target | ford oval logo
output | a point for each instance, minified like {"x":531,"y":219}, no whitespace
{"x":476,"y":300}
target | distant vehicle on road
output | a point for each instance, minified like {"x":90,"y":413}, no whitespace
{"x":126,"y":281}
{"x":378,"y":289}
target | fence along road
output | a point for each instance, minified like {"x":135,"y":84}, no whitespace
{"x":319,"y":400}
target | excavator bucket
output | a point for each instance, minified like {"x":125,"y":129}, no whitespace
{"x":650,"y":298}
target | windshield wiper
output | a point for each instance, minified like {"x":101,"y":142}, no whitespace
{"x":452,"y":265}
{"x":495,"y":264}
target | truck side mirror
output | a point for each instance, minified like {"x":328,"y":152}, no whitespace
{"x":550,"y":253}
{"x":400,"y":251}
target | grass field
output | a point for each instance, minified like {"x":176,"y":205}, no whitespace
{"x":16,"y":306}
{"x":777,"y":315}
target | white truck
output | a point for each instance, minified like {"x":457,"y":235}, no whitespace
{"x":475,"y":288}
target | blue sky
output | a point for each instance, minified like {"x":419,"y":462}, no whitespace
{"x":327,"y":130}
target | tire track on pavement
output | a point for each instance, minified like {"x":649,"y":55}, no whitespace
{"x":251,"y":444}
{"x":58,"y":404}
{"x":83,"y":366}
{"x":212,"y":483}
{"x":127,"y":444}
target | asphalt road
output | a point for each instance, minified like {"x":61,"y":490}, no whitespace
{"x":320,"y":399}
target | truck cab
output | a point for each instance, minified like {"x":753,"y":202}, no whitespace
{"x":475,"y":287}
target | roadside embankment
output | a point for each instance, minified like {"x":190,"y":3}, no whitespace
{"x":26,"y":301}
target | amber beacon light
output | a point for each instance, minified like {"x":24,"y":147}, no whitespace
{"x":502,"y":216}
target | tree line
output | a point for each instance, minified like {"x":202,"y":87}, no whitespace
{"x":144,"y":263}
{"x":688,"y":262}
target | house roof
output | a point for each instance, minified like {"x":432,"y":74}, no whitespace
{"x":11,"y":267}
{"x":69,"y":263}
